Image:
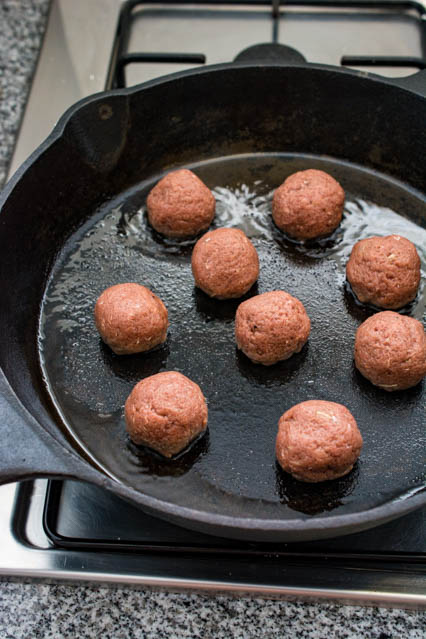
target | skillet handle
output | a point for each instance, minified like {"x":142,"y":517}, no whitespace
{"x":415,"y":82}
{"x":27,"y":450}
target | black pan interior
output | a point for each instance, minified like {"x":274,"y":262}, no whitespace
{"x":232,"y":470}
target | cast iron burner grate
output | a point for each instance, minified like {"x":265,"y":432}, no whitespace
{"x":122,"y":58}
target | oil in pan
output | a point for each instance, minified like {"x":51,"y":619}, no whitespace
{"x":233,"y":468}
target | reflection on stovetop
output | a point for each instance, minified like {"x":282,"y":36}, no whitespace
{"x":79,"y":515}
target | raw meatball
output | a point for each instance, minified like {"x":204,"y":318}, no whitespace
{"x":131,"y":319}
{"x":384,"y":271}
{"x":271,"y":327}
{"x":165,"y":412}
{"x":225,"y":263}
{"x":390,"y":350}
{"x":318,"y":441}
{"x":308,"y":204}
{"x":180,"y":205}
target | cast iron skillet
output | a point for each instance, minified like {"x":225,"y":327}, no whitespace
{"x":71,"y":223}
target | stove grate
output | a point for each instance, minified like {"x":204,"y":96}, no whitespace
{"x":122,"y":58}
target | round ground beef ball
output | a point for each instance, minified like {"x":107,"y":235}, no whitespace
{"x":271,"y":327}
{"x":180,"y":205}
{"x":384,"y":271}
{"x":131,"y":319}
{"x":165,"y":412}
{"x":308,"y":204}
{"x":390,"y":350}
{"x":225,"y":263}
{"x":317,"y":441}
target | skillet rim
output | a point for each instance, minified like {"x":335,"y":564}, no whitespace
{"x":405,"y":83}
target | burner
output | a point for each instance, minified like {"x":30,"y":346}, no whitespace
{"x":270,"y":52}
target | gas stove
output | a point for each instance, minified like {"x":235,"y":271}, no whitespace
{"x":78,"y":533}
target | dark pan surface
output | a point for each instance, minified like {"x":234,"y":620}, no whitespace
{"x":232,"y":470}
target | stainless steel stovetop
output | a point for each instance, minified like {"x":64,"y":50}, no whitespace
{"x":75,"y":532}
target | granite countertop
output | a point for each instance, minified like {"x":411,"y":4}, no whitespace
{"x":22,"y":25}
{"x":60,"y":611}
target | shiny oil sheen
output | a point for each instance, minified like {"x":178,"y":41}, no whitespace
{"x":233,"y":466}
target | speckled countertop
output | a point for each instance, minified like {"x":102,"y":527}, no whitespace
{"x":22,"y":25}
{"x":58,"y":611}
